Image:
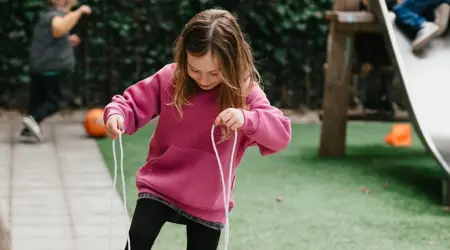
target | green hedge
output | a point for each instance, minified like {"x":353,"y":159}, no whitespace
{"x":124,"y":41}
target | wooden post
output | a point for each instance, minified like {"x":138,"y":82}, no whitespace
{"x":5,"y":233}
{"x":446,"y":191}
{"x":338,"y":74}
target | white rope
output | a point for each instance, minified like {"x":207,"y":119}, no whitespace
{"x":226,"y":191}
{"x":124,"y":191}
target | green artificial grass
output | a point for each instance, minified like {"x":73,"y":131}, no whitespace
{"x":378,"y":197}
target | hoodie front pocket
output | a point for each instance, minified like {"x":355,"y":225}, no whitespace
{"x":188,"y":175}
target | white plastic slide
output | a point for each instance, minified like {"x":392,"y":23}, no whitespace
{"x":426,"y":80}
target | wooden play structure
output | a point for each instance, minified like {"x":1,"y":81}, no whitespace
{"x":345,"y":20}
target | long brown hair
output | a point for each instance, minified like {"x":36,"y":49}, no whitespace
{"x":218,"y":31}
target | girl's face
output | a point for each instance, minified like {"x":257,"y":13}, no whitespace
{"x":204,"y":70}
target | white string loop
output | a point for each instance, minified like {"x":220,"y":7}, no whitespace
{"x":124,"y":191}
{"x":226,"y":191}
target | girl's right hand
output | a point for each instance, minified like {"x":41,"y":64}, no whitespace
{"x":114,"y":126}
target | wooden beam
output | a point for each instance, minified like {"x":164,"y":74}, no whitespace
{"x":352,"y":28}
{"x":350,"y":16}
{"x":381,"y":70}
{"x":361,"y":115}
{"x":338,"y":75}
{"x":354,"y":21}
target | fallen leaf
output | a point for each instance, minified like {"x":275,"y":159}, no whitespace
{"x":365,"y":190}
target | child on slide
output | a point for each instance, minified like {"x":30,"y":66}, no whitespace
{"x":213,"y":82}
{"x":410,"y":15}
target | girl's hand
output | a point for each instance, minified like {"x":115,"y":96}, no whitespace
{"x":114,"y":126}
{"x":231,"y":118}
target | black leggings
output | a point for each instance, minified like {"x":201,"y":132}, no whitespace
{"x":148,"y":219}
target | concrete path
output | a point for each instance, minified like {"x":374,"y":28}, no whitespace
{"x":57,"y":193}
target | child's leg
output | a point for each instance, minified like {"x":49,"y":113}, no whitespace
{"x":409,"y":16}
{"x":201,"y":237}
{"x":442,"y":17}
{"x":409,"y":12}
{"x":148,"y":219}
{"x":54,"y":96}
{"x":37,"y":97}
{"x":52,"y":86}
{"x":37,"y":92}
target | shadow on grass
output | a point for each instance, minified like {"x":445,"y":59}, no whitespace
{"x":412,"y":168}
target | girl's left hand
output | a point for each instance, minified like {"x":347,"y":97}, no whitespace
{"x":231,"y":118}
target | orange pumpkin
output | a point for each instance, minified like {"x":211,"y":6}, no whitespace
{"x":93,"y":123}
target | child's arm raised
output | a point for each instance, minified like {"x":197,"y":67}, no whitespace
{"x":264,"y":124}
{"x":62,"y":25}
{"x":139,"y":102}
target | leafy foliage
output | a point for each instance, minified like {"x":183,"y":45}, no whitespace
{"x":124,"y":41}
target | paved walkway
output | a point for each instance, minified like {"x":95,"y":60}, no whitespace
{"x":57,"y":193}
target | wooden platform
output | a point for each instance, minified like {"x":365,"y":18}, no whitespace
{"x":358,"y":115}
{"x":354,"y":21}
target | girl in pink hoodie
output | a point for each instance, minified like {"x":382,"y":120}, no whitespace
{"x":210,"y":92}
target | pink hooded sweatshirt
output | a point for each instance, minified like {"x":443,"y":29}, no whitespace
{"x":181,"y":165}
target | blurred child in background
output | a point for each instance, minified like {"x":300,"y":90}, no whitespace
{"x":52,"y":62}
